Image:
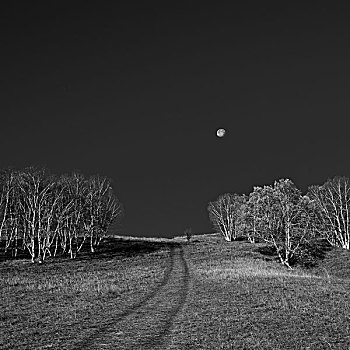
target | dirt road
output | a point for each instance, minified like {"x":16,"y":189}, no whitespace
{"x":146,"y":324}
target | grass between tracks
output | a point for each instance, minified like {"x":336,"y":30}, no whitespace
{"x":240,"y":296}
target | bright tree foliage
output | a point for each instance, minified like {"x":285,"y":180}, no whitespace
{"x":278,"y":214}
{"x":333,"y":204}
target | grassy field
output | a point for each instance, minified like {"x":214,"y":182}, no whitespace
{"x":48,"y":306}
{"x":243,"y":299}
{"x":238,"y":297}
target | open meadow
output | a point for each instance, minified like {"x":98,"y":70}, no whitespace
{"x":51,"y":305}
{"x":169,"y":294}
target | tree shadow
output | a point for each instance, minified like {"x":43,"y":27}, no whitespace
{"x":268,"y":252}
{"x":308,"y":256}
{"x":319,"y":248}
{"x":109,"y":248}
{"x":117,"y":247}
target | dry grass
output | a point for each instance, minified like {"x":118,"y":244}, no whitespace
{"x":49,"y":305}
{"x":242,"y":299}
{"x":146,"y":239}
{"x":240,"y":296}
{"x":245,"y":268}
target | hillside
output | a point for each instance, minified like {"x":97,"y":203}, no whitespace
{"x":168,"y":294}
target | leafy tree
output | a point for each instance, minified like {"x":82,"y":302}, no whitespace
{"x":333,"y":203}
{"x":284,"y":218}
{"x":251,"y":215}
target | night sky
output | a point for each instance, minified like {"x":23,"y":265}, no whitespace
{"x":136,"y":93}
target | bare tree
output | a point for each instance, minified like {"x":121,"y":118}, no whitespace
{"x":225,"y":213}
{"x":34,"y":186}
{"x":14,"y":220}
{"x":73,"y":215}
{"x":7,"y":184}
{"x":41,"y":213}
{"x":111,"y":212}
{"x":101,"y":209}
{"x":55,"y":208}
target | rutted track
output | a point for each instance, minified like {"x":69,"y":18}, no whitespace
{"x":147,"y":323}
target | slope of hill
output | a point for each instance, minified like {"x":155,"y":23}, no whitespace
{"x":243,"y":299}
{"x":171,"y":294}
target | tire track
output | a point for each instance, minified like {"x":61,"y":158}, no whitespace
{"x":158,"y":341}
{"x":95,"y":332}
{"x":149,"y":325}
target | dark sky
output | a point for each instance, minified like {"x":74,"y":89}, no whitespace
{"x":136,"y":92}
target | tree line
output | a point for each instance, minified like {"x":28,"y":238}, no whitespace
{"x":46,"y":214}
{"x":282,"y":216}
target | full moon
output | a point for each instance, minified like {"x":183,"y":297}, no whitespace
{"x":220,"y":132}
